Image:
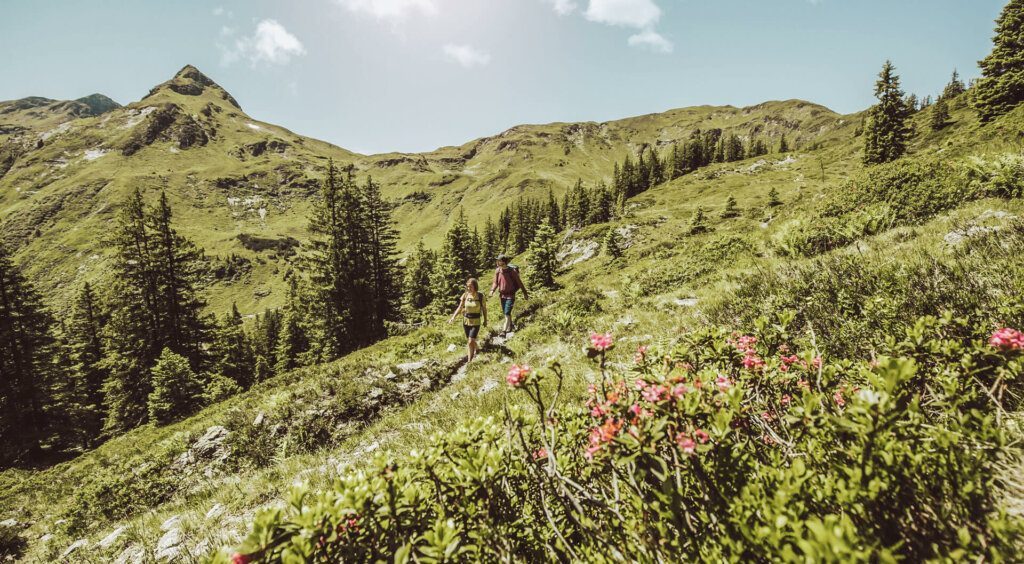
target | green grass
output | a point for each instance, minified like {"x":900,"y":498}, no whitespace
{"x":332,"y":417}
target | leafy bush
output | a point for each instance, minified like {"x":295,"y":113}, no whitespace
{"x":853,"y":303}
{"x":1002,"y":176}
{"x":718,"y":447}
{"x":120,"y":493}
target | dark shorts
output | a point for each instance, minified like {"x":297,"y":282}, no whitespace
{"x":507,"y":303}
{"x":471,"y":331}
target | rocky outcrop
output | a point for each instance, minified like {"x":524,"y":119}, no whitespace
{"x":167,"y":123}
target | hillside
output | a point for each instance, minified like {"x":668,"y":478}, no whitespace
{"x":241,"y":187}
{"x":854,"y":278}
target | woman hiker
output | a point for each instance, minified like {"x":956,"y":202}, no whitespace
{"x":507,"y":282}
{"x":474,"y":314}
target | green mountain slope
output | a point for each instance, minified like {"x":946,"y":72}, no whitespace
{"x":241,"y":187}
{"x":185,"y":489}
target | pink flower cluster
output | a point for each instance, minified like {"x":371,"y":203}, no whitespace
{"x":1007,"y":339}
{"x":641,"y":354}
{"x":745,"y":344}
{"x":787,"y":361}
{"x":723,"y":382}
{"x":517,"y":375}
{"x":602,"y":435}
{"x":601,"y":342}
{"x":688,"y":445}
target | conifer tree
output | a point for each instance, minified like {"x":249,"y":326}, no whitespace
{"x":773,"y":197}
{"x":888,"y":130}
{"x":490,"y":246}
{"x":293,"y":344}
{"x":84,"y":341}
{"x":954,"y":88}
{"x":554,"y":215}
{"x":385,"y":272}
{"x":176,"y":388}
{"x":456,"y":262}
{"x":233,"y":355}
{"x":602,"y":206}
{"x":1001,"y":87}
{"x":419,"y":276}
{"x":783,"y":144}
{"x":543,"y":253}
{"x":265,"y":336}
{"x":731,"y":208}
{"x":26,"y":347}
{"x":698,"y":224}
{"x":939,"y":115}
{"x":178,"y":264}
{"x":612,"y":243}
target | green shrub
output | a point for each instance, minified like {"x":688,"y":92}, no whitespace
{"x":12,"y":543}
{"x":718,"y":447}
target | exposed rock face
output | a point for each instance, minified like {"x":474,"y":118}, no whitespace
{"x":206,"y":454}
{"x":190,"y":82}
{"x":167,"y":123}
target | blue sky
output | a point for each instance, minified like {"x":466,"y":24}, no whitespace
{"x":413,"y":75}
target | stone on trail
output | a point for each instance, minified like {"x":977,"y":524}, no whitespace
{"x":409,"y":367}
{"x":460,"y":374}
{"x":109,"y":540}
{"x":169,"y":546}
{"x":216,"y":511}
{"x":488,"y":386}
{"x":453,"y":347}
{"x":685,"y":302}
{"x":11,"y":523}
{"x":170,"y":523}
{"x":80,"y":543}
{"x":131,"y":555}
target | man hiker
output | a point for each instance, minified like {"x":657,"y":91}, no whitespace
{"x":507,"y":282}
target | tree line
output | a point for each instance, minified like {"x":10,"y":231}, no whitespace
{"x":147,"y":351}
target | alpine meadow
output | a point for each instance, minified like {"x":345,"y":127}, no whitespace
{"x":765,"y":333}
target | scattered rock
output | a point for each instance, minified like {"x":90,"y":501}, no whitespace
{"x":170,"y":523}
{"x":169,"y":546}
{"x":453,"y":347}
{"x":685,"y":302}
{"x":46,"y":538}
{"x":611,"y":293}
{"x":109,"y":540}
{"x":577,"y":252}
{"x":410,"y":367}
{"x":216,"y":511}
{"x":460,"y":374}
{"x":488,"y":386}
{"x":206,"y":453}
{"x":11,"y":523}
{"x":375,"y":393}
{"x":259,"y":419}
{"x":131,"y":555}
{"x":80,"y":543}
{"x":957,"y":237}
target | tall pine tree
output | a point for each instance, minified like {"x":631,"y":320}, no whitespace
{"x":888,"y":128}
{"x":385,"y":272}
{"x":1001,"y":87}
{"x":543,"y":261}
{"x":26,"y":346}
{"x":84,"y":341}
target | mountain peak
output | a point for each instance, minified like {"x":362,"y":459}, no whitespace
{"x":98,"y":103}
{"x":189,"y":81}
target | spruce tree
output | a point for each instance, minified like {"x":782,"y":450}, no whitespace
{"x":888,"y":130}
{"x":602,"y":206}
{"x":232,"y":352}
{"x":939,"y":115}
{"x":612,"y":243}
{"x":698,"y":224}
{"x":783,"y":144}
{"x":293,"y":343}
{"x":176,"y":388}
{"x":553,"y":213}
{"x":419,"y":273}
{"x":490,"y":247}
{"x":731,"y":208}
{"x":84,"y":341}
{"x":1001,"y":87}
{"x":954,"y":88}
{"x":385,"y":272}
{"x":543,"y":260}
{"x":773,"y":197}
{"x":26,"y":347}
{"x":457,"y":262}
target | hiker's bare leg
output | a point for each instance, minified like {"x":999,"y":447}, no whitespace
{"x":472,"y":349}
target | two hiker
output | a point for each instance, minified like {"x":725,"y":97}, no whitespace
{"x":473,"y":306}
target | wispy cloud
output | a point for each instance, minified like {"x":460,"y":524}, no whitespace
{"x":563,"y":7}
{"x":652,"y":40}
{"x":466,"y":55}
{"x":629,"y":13}
{"x":390,"y":10}
{"x":269,"y":43}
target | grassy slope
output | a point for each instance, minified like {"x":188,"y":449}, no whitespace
{"x":58,"y":202}
{"x":333,"y":417}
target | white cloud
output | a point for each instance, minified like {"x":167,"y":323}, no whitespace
{"x":270,"y":43}
{"x":652,"y":40}
{"x":392,"y":10}
{"x":563,"y":7}
{"x":466,"y":55}
{"x":630,"y":13}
